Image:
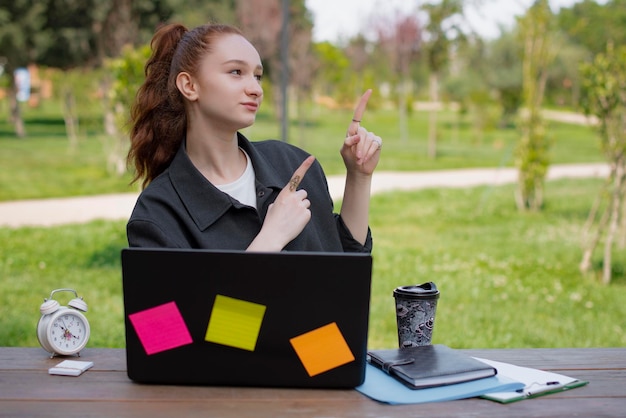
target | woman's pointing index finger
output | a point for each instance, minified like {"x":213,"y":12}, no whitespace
{"x":358,"y":112}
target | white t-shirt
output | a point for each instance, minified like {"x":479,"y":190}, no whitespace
{"x":243,"y":188}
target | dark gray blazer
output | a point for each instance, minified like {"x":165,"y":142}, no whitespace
{"x":182,"y":209}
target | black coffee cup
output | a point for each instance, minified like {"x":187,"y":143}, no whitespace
{"x":416,"y":306}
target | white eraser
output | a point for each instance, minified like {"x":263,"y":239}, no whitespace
{"x":70,"y":368}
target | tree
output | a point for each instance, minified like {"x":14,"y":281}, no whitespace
{"x":22,"y":34}
{"x":604,"y":95}
{"x":504,"y":74}
{"x":125,"y":75}
{"x":70,"y":34}
{"x":532,"y":149}
{"x":469,"y":86}
{"x":401,"y":40}
{"x":262,"y":22}
{"x":331,"y":69}
{"x":441,"y":33}
{"x":563,"y":84}
{"x":194,"y":13}
{"x":592,"y":25}
{"x":357,"y":53}
{"x":587,"y":26}
{"x":302,"y":63}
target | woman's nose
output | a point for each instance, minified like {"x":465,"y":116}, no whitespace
{"x":254,"y":88}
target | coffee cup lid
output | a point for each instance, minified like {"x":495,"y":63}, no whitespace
{"x":423,"y":291}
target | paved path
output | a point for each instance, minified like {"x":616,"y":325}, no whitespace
{"x":48,"y":212}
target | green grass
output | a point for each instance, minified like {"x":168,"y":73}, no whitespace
{"x":506,"y":279}
{"x":36,"y":261}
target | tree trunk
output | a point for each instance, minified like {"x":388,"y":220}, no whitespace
{"x":16,"y":115}
{"x":615,"y":208}
{"x":585,"y":264}
{"x":71,"y":120}
{"x":609,"y":223}
{"x":433,"y":83}
{"x":402,"y":108}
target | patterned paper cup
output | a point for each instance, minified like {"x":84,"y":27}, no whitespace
{"x":415,"y":312}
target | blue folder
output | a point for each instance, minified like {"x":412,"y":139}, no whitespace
{"x":384,"y":388}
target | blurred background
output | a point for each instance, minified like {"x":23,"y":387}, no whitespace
{"x":466,"y":53}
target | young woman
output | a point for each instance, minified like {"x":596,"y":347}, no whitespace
{"x":207,"y":186}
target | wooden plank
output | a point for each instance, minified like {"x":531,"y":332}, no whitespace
{"x":26,"y":389}
{"x":540,"y":407}
{"x":557,"y":358}
{"x":115,"y":386}
{"x":36,"y":358}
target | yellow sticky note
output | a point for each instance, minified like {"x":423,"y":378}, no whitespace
{"x":235,"y":322}
{"x":322,"y":349}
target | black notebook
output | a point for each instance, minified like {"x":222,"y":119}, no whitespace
{"x":429,"y":366}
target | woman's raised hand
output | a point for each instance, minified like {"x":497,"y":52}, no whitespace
{"x":361,"y":148}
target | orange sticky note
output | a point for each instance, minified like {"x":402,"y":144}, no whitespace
{"x":322,"y":349}
{"x":235,"y":322}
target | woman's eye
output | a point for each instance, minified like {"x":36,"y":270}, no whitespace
{"x":236,"y":72}
{"x":259,"y":77}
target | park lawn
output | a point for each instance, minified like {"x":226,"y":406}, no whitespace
{"x":507,"y":279}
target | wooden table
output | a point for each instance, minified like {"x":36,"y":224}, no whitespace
{"x":26,"y":389}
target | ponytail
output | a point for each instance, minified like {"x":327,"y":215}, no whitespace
{"x":157,"y":116}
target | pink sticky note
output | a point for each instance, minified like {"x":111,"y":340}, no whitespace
{"x":160,"y":328}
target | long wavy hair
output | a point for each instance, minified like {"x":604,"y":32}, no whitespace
{"x":157,"y":116}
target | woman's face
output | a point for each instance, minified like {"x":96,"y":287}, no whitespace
{"x":228,"y":84}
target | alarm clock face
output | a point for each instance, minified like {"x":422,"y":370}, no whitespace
{"x":68,"y":332}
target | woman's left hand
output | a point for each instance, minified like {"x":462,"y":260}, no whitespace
{"x":361,"y":148}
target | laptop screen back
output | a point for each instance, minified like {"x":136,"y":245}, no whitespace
{"x":206,"y":317}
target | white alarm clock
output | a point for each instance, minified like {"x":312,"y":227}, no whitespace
{"x":63,"y":330}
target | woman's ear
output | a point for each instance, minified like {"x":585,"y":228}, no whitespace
{"x":186,"y":86}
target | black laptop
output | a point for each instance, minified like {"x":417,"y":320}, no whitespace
{"x":235,"y":318}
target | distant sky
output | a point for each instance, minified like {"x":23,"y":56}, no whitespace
{"x":334,"y":19}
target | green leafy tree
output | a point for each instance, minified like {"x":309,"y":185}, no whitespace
{"x":588,"y":26}
{"x":564,"y":81}
{"x":124,"y":71}
{"x":503,"y":74}
{"x":194,"y":13}
{"x":592,"y":25}
{"x":22,"y":35}
{"x":331,"y":70}
{"x":532,"y":159}
{"x":468,"y":87}
{"x":604,"y":96}
{"x":77,"y":90}
{"x":72,"y":34}
{"x":125,"y":75}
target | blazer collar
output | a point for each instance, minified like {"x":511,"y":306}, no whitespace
{"x":205,"y":202}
